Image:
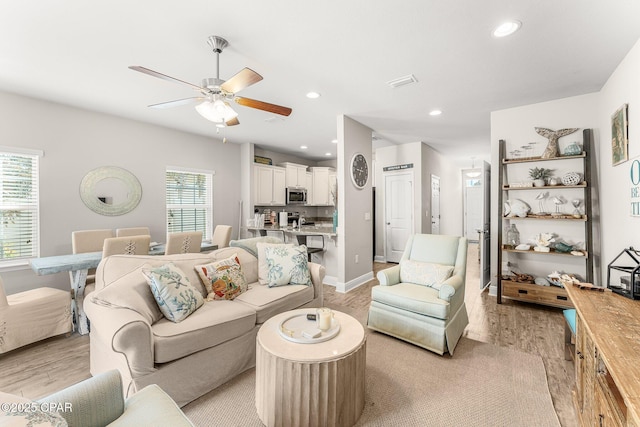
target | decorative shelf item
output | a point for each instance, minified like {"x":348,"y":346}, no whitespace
{"x":625,"y":279}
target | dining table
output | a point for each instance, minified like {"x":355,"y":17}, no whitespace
{"x":78,"y":266}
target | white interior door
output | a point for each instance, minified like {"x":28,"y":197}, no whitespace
{"x":473,"y":212}
{"x":435,"y":204}
{"x":398,"y":206}
{"x":485,"y":239}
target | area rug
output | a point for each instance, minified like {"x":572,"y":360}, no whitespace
{"x":481,"y":385}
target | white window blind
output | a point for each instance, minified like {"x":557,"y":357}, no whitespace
{"x":19,"y":213}
{"x":189,"y":201}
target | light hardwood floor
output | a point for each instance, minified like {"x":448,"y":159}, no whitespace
{"x":42,"y":368}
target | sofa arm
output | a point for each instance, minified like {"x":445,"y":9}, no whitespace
{"x":389,"y":276}
{"x":123,"y":331}
{"x":96,"y":401}
{"x":450,"y":287}
{"x":317,"y":272}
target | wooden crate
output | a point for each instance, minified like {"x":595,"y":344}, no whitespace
{"x":547,"y":295}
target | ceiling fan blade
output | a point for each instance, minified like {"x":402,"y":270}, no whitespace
{"x":243,"y":78}
{"x":260,"y":105}
{"x":177,"y":102}
{"x":233,"y":122}
{"x":163,"y":76}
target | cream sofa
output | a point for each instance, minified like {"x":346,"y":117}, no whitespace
{"x":190,"y":358}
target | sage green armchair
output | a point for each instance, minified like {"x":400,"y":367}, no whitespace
{"x":421,"y":300}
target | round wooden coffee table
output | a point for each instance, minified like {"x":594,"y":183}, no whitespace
{"x":310,"y":384}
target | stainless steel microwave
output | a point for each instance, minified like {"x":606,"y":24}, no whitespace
{"x":296,"y":196}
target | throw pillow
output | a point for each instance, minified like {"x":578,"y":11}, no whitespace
{"x":177,"y":298}
{"x":249,"y":244}
{"x":263,"y":268}
{"x":223,"y":279}
{"x":424,"y":273}
{"x":287,"y":264}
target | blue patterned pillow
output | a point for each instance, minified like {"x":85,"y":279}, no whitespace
{"x":287,"y":265}
{"x":177,"y":298}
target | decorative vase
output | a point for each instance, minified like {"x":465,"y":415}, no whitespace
{"x":335,"y":220}
{"x":513,"y":236}
{"x":538,"y":182}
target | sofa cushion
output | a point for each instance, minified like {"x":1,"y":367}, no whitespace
{"x":130,"y":291}
{"x":249,"y":245}
{"x":263,"y":267}
{"x":173,"y":291}
{"x":267,"y":302}
{"x":223,"y":279}
{"x":248,"y":262}
{"x":424,"y":273}
{"x":287,"y":265}
{"x":411,"y":297}
{"x":212,"y":324}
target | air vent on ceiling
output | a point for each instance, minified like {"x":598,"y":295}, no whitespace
{"x":403,"y":81}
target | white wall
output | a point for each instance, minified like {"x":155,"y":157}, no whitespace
{"x":619,"y":229}
{"x":75,"y":141}
{"x":355,"y":233}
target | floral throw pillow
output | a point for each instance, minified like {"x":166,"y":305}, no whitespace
{"x":177,"y":298}
{"x":223,"y":279}
{"x":287,"y":265}
{"x":424,"y":273}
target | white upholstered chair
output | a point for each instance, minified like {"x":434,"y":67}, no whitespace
{"x":421,"y":300}
{"x":132,"y":231}
{"x":128,"y":245}
{"x":183,"y":242}
{"x":84,"y":241}
{"x":221,"y":236}
{"x":33,"y":315}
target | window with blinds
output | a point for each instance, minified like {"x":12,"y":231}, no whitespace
{"x":189,"y":201}
{"x":19,"y":211}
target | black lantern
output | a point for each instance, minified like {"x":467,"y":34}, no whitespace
{"x":625,"y":279}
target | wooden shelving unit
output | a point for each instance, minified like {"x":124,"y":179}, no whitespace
{"x":547,"y":295}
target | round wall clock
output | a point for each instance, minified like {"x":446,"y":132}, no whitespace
{"x":359,"y":170}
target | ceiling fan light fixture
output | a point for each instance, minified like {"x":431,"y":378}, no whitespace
{"x":216,"y":111}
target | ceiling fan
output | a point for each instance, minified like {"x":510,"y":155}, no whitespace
{"x":216,"y":93}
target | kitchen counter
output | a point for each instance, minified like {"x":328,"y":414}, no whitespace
{"x":324,"y":230}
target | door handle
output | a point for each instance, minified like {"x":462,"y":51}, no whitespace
{"x":388,"y":223}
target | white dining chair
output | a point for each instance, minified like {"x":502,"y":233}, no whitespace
{"x":84,"y":241}
{"x":221,"y":236}
{"x":132,"y":231}
{"x":183,"y":242}
{"x":128,"y":245}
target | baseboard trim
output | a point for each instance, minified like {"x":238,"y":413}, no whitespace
{"x":493,"y":290}
{"x":379,"y":258}
{"x":352,"y":284}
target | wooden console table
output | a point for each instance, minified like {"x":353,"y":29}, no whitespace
{"x":607,"y":362}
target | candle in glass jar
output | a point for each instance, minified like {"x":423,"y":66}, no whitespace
{"x":324,"y":319}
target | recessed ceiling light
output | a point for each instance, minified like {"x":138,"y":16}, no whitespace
{"x":303,"y":147}
{"x":334,"y":141}
{"x":313,"y":95}
{"x":435,"y":112}
{"x":507,"y":28}
{"x":327,"y":154}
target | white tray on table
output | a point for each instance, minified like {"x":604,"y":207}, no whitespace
{"x":291,"y":329}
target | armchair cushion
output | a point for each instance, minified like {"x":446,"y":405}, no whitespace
{"x":414,"y":298}
{"x":173,"y":291}
{"x":424,"y":273}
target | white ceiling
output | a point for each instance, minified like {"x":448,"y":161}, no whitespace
{"x":77,"y":52}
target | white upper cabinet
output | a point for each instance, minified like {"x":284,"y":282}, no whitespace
{"x":296,"y":175}
{"x":269,"y":185}
{"x":324,"y":179}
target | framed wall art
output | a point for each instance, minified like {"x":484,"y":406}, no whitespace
{"x":619,"y":136}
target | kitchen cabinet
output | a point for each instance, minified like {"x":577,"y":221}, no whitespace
{"x":296,"y":175}
{"x":269,"y":184}
{"x":324,"y":179}
{"x":309,"y":187}
{"x":573,"y":226}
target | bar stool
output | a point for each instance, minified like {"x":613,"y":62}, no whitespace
{"x":302,"y":240}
